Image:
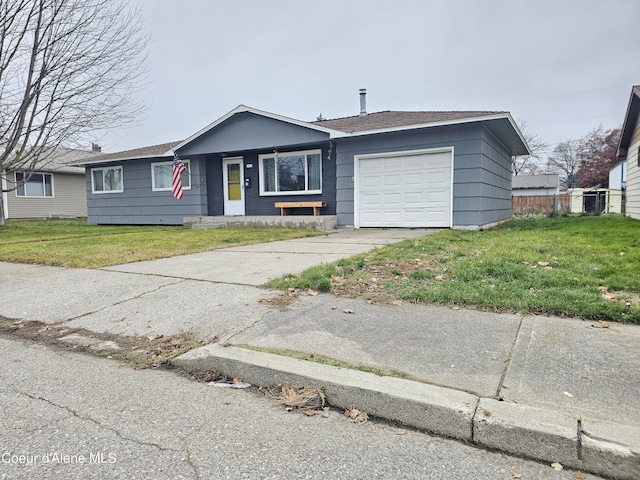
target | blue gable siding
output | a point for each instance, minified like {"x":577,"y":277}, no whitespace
{"x":482,"y":170}
{"x":247,"y":131}
{"x":138,"y":204}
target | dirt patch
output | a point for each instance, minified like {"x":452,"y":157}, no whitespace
{"x":374,"y":281}
{"x":140,"y":352}
{"x":281,"y":301}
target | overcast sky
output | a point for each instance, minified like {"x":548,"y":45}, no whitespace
{"x":563,"y":66}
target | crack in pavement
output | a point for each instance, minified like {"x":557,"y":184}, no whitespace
{"x":509,"y":357}
{"x":92,"y":420}
{"x":120,"y":302}
{"x":189,"y":460}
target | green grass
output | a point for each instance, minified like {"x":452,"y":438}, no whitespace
{"x":74,"y":243}
{"x":555,"y":266}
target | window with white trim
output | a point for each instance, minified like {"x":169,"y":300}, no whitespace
{"x":107,"y":180}
{"x":162,"y":176}
{"x":291,"y":173}
{"x":34,"y":185}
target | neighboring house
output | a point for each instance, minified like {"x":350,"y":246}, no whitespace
{"x":54,"y":189}
{"x":386,"y":169}
{"x":595,"y":200}
{"x":628,"y":150}
{"x":535,"y":185}
{"x":618,"y":176}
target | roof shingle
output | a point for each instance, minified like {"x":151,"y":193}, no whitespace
{"x":390,"y":119}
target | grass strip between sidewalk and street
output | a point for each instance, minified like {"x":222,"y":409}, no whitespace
{"x":585,"y":267}
{"x":74,"y":243}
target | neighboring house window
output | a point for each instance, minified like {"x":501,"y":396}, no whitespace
{"x":162,"y":175}
{"x":291,"y":173}
{"x":106,"y":180}
{"x":34,"y":185}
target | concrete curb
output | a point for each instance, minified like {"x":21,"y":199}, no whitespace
{"x":549,"y":436}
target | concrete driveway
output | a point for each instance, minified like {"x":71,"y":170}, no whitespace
{"x":256,"y":264}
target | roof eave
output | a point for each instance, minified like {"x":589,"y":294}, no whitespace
{"x":83,"y":163}
{"x":460,"y":121}
{"x":631,"y":116}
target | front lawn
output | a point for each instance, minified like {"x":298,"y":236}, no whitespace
{"x":587,"y":267}
{"x":74,"y":243}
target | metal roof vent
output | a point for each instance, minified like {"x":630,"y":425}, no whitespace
{"x":363,"y":102}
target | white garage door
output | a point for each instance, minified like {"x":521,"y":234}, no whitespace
{"x":404,"y":190}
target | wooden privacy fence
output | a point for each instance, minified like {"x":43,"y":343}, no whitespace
{"x":540,"y":204}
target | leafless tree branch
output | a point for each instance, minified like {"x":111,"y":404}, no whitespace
{"x":67,"y":68}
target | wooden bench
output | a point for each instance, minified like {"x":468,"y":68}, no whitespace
{"x":283,"y":206}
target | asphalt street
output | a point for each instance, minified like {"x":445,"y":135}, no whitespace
{"x":68,"y":415}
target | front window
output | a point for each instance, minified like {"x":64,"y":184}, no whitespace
{"x":291,"y":173}
{"x":34,"y":185}
{"x":162,"y":176}
{"x":107,"y":180}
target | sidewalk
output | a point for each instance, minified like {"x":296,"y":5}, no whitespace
{"x":554,"y":389}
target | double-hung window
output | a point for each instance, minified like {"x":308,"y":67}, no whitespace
{"x":107,"y":180}
{"x":291,"y":173}
{"x":162,"y":176}
{"x":34,"y":185}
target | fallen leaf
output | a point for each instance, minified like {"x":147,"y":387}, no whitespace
{"x":440,"y":278}
{"x":400,"y":432}
{"x":228,"y":402}
{"x":556,"y":466}
{"x":397,"y":302}
{"x":313,"y":293}
{"x":600,"y":324}
{"x":578,"y":476}
{"x":309,"y":413}
{"x":348,"y":310}
{"x":543,"y":264}
{"x":568,"y":394}
{"x":380,"y":426}
{"x":517,"y":475}
{"x":621,"y":254}
{"x":325,"y":412}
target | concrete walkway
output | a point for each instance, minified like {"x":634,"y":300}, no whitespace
{"x":554,"y":389}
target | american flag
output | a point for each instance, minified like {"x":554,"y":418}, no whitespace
{"x":176,"y":181}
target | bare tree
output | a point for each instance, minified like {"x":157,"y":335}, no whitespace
{"x":532,"y":163}
{"x":565,"y":160}
{"x":68,"y":68}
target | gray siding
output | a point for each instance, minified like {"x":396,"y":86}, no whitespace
{"x":632,"y":206}
{"x":264,"y":205}
{"x":247,"y":131}
{"x":139,"y":204}
{"x":482,"y":170}
{"x":69,"y":200}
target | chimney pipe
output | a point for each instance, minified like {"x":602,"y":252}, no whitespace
{"x":96,"y":148}
{"x":363,"y":102}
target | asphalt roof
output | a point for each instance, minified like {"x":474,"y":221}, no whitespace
{"x":390,"y":119}
{"x":371,"y":122}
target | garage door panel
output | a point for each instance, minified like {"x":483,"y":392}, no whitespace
{"x":392,"y":199}
{"x":392,"y":218}
{"x":412,"y":190}
{"x":413,"y":178}
{"x":414,"y":198}
{"x":391,"y":180}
